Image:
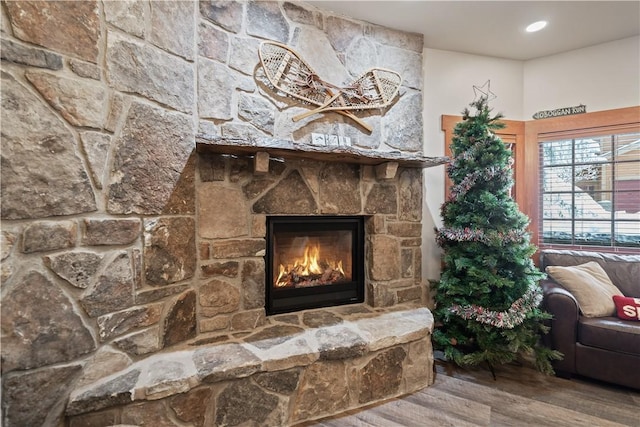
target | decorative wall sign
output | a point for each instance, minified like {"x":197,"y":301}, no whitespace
{"x":558,"y":112}
{"x":289,"y":73}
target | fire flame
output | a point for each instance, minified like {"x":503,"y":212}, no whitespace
{"x":307,"y":266}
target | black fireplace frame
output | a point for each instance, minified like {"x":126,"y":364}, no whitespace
{"x":289,"y":300}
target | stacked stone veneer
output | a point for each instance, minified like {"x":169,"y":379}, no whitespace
{"x":118,"y":240}
{"x":303,"y":366}
{"x":233,"y":203}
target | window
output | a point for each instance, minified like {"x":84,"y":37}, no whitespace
{"x":605,"y":171}
{"x":512,"y":135}
{"x":590,"y":190}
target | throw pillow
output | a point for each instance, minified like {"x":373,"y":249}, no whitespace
{"x":628,"y":308}
{"x":590,"y":285}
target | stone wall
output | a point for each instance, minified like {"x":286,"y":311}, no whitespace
{"x":105,"y":252}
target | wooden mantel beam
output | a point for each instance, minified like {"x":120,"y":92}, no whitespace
{"x":386,"y":170}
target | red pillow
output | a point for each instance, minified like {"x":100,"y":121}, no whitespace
{"x":628,"y":308}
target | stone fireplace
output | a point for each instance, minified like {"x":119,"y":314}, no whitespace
{"x":240,"y":192}
{"x":307,"y":358}
{"x":142,"y":156}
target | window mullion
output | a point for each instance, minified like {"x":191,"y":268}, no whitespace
{"x":573,"y":192}
{"x":614,"y":149}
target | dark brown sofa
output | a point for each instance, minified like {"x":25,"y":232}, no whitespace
{"x":603,"y":348}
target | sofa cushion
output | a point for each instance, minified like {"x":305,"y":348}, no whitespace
{"x":590,"y":285}
{"x":610,"y":333}
{"x":628,"y":308}
{"x":623,"y":270}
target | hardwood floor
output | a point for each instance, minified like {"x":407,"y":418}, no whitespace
{"x":520,"y":396}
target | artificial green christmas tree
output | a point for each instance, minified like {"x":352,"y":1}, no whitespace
{"x":487,"y":299}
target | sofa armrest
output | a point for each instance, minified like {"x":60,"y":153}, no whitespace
{"x":564,"y":308}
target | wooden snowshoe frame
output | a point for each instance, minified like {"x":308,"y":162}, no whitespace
{"x":289,"y":73}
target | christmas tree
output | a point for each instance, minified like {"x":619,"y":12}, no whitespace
{"x":487,"y":300}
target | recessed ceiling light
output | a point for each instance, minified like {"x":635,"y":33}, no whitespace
{"x":536,"y":26}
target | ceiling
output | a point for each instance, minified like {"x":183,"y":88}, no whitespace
{"x":496,"y":28}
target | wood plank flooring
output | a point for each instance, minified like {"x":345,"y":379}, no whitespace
{"x":520,"y":396}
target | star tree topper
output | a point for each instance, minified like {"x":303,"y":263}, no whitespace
{"x":484,"y":90}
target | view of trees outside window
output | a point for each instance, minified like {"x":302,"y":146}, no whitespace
{"x":590,"y":191}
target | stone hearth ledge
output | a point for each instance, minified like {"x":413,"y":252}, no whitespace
{"x":284,"y":148}
{"x":166,"y":374}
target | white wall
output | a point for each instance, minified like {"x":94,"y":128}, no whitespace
{"x":449,"y":78}
{"x":602,"y":77}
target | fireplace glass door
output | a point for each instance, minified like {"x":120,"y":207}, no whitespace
{"x":313,"y":261}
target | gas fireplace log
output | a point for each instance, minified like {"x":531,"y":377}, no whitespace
{"x":296,"y":279}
